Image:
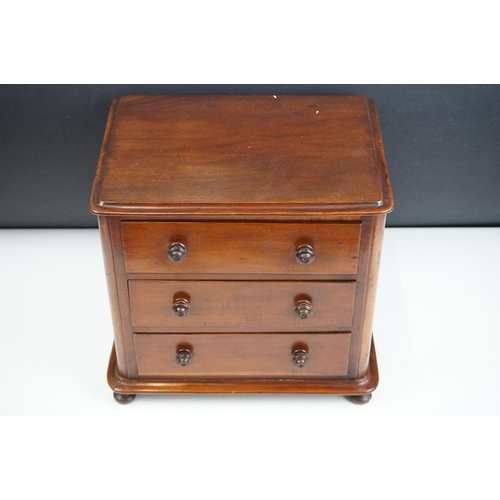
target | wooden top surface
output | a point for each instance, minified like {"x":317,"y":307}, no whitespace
{"x":247,"y":155}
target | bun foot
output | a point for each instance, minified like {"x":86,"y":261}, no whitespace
{"x":123,"y":399}
{"x":360,"y":400}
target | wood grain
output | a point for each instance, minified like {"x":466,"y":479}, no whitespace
{"x":254,"y":306}
{"x":214,"y":154}
{"x":112,"y":277}
{"x":227,"y":247}
{"x":375,"y":248}
{"x":243,"y":355}
{"x":242,"y":181}
{"x":258,"y":385}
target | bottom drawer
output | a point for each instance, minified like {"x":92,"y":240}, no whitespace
{"x":268,"y":355}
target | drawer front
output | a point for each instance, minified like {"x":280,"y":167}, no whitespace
{"x":267,"y":355}
{"x":251,"y":306}
{"x":228,"y":247}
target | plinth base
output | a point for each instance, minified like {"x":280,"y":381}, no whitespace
{"x":357,"y":391}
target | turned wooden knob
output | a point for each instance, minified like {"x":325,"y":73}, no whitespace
{"x":180,"y":307}
{"x":177,"y":252}
{"x":304,"y":254}
{"x":183,"y":357}
{"x":303,"y":309}
{"x":300,"y":358}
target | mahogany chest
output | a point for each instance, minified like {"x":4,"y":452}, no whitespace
{"x":241,"y":239}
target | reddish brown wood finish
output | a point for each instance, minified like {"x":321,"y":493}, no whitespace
{"x":180,"y":169}
{"x":246,"y":306}
{"x":247,"y":154}
{"x":123,"y":399}
{"x":256,"y":248}
{"x":232,"y":385}
{"x":240,"y":355}
{"x":360,"y":400}
{"x":370,"y":286}
{"x":119,"y":324}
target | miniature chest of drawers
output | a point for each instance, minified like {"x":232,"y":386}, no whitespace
{"x":241,"y":239}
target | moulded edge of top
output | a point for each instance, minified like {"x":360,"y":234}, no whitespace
{"x":247,"y":210}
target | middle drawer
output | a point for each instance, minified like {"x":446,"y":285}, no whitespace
{"x":242,"y":306}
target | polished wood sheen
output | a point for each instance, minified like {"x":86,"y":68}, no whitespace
{"x":123,"y":399}
{"x":243,"y":355}
{"x":188,"y":154}
{"x":254,"y":306}
{"x":153,"y":385}
{"x":242,"y":238}
{"x":360,"y":400}
{"x":226,"y":247}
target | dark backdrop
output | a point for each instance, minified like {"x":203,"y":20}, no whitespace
{"x":442,"y":145}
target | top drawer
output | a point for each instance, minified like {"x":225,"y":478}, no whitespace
{"x":251,"y":247}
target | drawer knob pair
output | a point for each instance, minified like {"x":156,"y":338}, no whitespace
{"x":300,"y":357}
{"x":304,"y":254}
{"x":303,"y":308}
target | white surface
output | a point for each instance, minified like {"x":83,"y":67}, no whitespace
{"x":437,"y":334}
{"x":437,"y":338}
